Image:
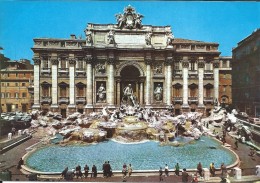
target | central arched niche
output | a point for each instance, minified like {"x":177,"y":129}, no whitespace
{"x":129,"y":75}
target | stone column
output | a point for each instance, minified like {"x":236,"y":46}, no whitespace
{"x":185,"y":66}
{"x":89,"y":94}
{"x":168,"y":64}
{"x":141,"y":93}
{"x":148,"y":83}
{"x":54,"y":78}
{"x":201,"y":65}
{"x":216,"y":79}
{"x":36,"y":78}
{"x":110,"y":83}
{"x":72,"y":105}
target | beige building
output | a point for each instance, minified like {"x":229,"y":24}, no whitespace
{"x":225,"y":80}
{"x":16,"y":79}
{"x":85,"y":75}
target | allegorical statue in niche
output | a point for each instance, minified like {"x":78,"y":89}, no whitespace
{"x":158,"y":93}
{"x":101,"y":93}
{"x":89,"y":37}
{"x":128,"y":96}
{"x":148,"y":38}
{"x":111,"y":37}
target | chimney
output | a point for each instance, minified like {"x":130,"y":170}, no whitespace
{"x":73,"y":36}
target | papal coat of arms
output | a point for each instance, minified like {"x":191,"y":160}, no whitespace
{"x":129,"y":19}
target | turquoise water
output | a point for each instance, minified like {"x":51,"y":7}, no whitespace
{"x":145,"y":156}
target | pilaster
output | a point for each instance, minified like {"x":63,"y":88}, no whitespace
{"x":168,"y":65}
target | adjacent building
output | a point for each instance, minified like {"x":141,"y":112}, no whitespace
{"x":225,"y":80}
{"x":16,"y":81}
{"x":246,"y":73}
{"x":159,"y":70}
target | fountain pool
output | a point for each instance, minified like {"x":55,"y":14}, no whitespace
{"x":145,"y":156}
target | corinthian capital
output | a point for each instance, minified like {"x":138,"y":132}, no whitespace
{"x":185,"y":64}
{"x":88,"y":59}
{"x":110,"y":61}
{"x":37,"y":61}
{"x":72,"y":61}
{"x":54,"y":61}
{"x":201,"y":64}
{"x":168,"y":61}
{"x":148,"y":61}
{"x":216,"y":64}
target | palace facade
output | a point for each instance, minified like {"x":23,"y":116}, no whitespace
{"x":85,"y":75}
{"x":245,"y":73}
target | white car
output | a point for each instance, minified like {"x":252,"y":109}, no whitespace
{"x":255,"y":121}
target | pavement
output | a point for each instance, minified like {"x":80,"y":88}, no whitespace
{"x":9,"y":160}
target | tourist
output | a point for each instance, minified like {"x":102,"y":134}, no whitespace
{"x":129,"y":169}
{"x":223,"y":170}
{"x":78,"y":171}
{"x":64,"y":172}
{"x":104,"y":168}
{"x":195,"y":178}
{"x":20,"y":163}
{"x":86,"y":169}
{"x":236,"y":144}
{"x":166,"y":169}
{"x":199,"y":168}
{"x":212,"y":169}
{"x":177,"y":169}
{"x":94,"y":171}
{"x":110,"y":173}
{"x":160,"y":174}
{"x":252,"y":153}
{"x":124,"y":170}
{"x":185,"y":176}
{"x":13,"y":131}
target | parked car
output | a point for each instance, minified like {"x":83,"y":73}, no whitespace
{"x":255,"y":121}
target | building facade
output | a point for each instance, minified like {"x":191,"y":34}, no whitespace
{"x":225,"y":80}
{"x":16,"y":79}
{"x":85,"y":75}
{"x":246,"y":73}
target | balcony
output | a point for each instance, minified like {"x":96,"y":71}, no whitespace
{"x":193,"y":73}
{"x":45,"y":71}
{"x":63,"y":99}
{"x":177,"y":73}
{"x":46,"y":100}
{"x":177,"y":99}
{"x":193,"y":99}
{"x":80,"y":100}
{"x":80,"y":72}
{"x":208,"y":74}
{"x":208,"y":99}
{"x":63,"y":71}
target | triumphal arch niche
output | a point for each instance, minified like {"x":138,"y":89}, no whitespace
{"x":125,"y":63}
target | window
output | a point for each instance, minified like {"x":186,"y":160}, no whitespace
{"x":23,"y":84}
{"x":80,"y":64}
{"x":45,"y":91}
{"x":224,"y":76}
{"x":193,"y":92}
{"x":208,"y":66}
{"x":224,"y":63}
{"x":2,"y":95}
{"x":7,"y":95}
{"x":16,"y":95}
{"x":24,"y":95}
{"x":7,"y":84}
{"x":8,"y":75}
{"x":45,"y":64}
{"x":23,"y":74}
{"x":16,"y":106}
{"x":63,"y":64}
{"x":177,"y":66}
{"x":208,"y":92}
{"x":192,"y":66}
{"x":63,"y":91}
{"x":80,"y":91}
{"x":16,"y":84}
{"x":3,"y":84}
{"x":16,"y":74}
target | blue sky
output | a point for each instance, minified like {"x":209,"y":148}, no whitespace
{"x":226,"y":23}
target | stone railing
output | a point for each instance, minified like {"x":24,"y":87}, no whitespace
{"x":80,"y":99}
{"x":177,"y":99}
{"x":45,"y":99}
{"x":63,"y":99}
